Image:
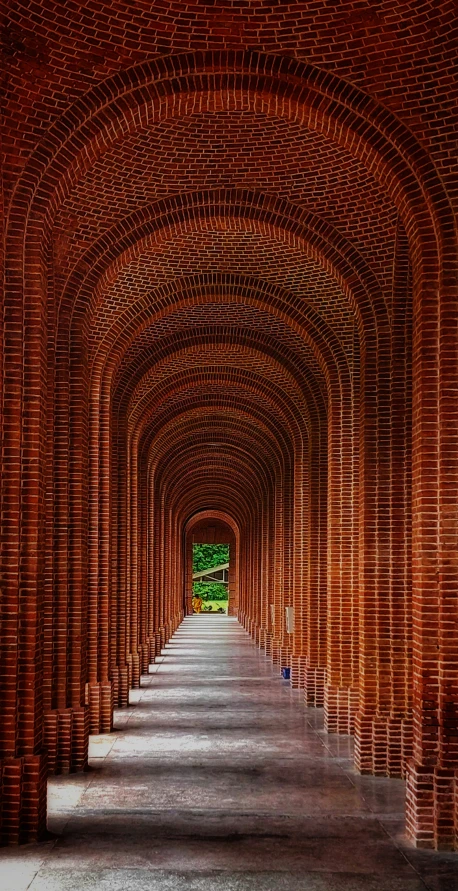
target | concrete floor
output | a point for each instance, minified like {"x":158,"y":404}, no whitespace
{"x":217,"y":778}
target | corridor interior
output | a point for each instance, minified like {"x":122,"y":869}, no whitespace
{"x":229,"y":317}
{"x":218,"y":778}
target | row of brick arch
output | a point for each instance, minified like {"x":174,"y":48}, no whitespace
{"x":313,"y":446}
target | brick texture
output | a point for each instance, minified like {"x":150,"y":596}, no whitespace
{"x":229,"y":314}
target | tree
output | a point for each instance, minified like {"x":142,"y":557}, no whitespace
{"x":204,"y":556}
{"x":215,"y":591}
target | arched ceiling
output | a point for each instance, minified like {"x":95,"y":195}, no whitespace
{"x":228,"y":150}
{"x":221,"y":218}
{"x":56,"y":51}
{"x":209,"y":244}
{"x":227,"y":252}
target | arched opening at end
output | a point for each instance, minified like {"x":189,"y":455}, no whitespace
{"x":211,"y":573}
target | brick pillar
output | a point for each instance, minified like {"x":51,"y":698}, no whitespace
{"x":375,"y":559}
{"x":384,"y":716}
{"x":432,"y":813}
{"x":341,"y":696}
{"x":22,"y":534}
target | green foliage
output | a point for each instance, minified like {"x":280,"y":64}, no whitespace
{"x":215,"y":591}
{"x":204,"y":556}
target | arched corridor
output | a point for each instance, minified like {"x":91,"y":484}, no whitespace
{"x":230,"y":315}
{"x":218,"y":778}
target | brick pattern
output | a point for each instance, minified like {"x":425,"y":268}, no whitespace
{"x":23,"y":799}
{"x":229,"y":310}
{"x":65,"y":738}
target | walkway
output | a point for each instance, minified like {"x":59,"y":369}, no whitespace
{"x":219,"y":779}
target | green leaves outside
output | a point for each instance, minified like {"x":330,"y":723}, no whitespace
{"x":204,"y":556}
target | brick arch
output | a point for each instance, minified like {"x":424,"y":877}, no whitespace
{"x":225,"y":501}
{"x":314,"y":393}
{"x":294,"y":84}
{"x":336,"y":487}
{"x":309,"y":171}
{"x":319,"y":240}
{"x":227,"y":496}
{"x":302,"y":319}
{"x":175,"y":384}
{"x":207,"y":351}
{"x":249,"y":414}
{"x":278,"y":66}
{"x":260,"y":408}
{"x":236,"y":326}
{"x":247,"y":422}
{"x":326,"y":83}
{"x":200,"y":520}
{"x":242,"y":442}
{"x":302,"y":607}
{"x":192,"y":490}
{"x":416,"y":187}
{"x":232,"y":455}
{"x":193,"y":493}
{"x":180,"y":498}
{"x":247,"y":366}
{"x":200,"y":515}
{"x":247,"y":428}
{"x":246,"y":382}
{"x":270,"y":27}
{"x":133,"y":612}
{"x":217,"y":373}
{"x":64,"y":384}
{"x":262,"y":416}
{"x":244,"y":462}
{"x":161,"y":423}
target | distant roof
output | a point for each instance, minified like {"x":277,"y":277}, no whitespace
{"x":210,"y":570}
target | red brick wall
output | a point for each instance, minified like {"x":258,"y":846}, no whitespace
{"x":230,"y":294}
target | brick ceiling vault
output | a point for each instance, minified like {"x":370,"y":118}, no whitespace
{"x":230,"y":298}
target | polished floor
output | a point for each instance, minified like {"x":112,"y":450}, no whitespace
{"x":217,"y":778}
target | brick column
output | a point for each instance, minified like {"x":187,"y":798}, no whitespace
{"x":23,"y":767}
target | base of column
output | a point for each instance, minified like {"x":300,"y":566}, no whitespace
{"x":135,"y":671}
{"x":268,"y":645}
{"x":432,"y":806}
{"x":129,"y":670}
{"x":340,"y":707}
{"x":143,"y":653}
{"x":66,"y":739}
{"x":121,"y":687}
{"x":298,"y":666}
{"x":314,"y":685}
{"x":151,"y":650}
{"x":101,"y":704}
{"x":23,"y":788}
{"x":383,"y":745}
